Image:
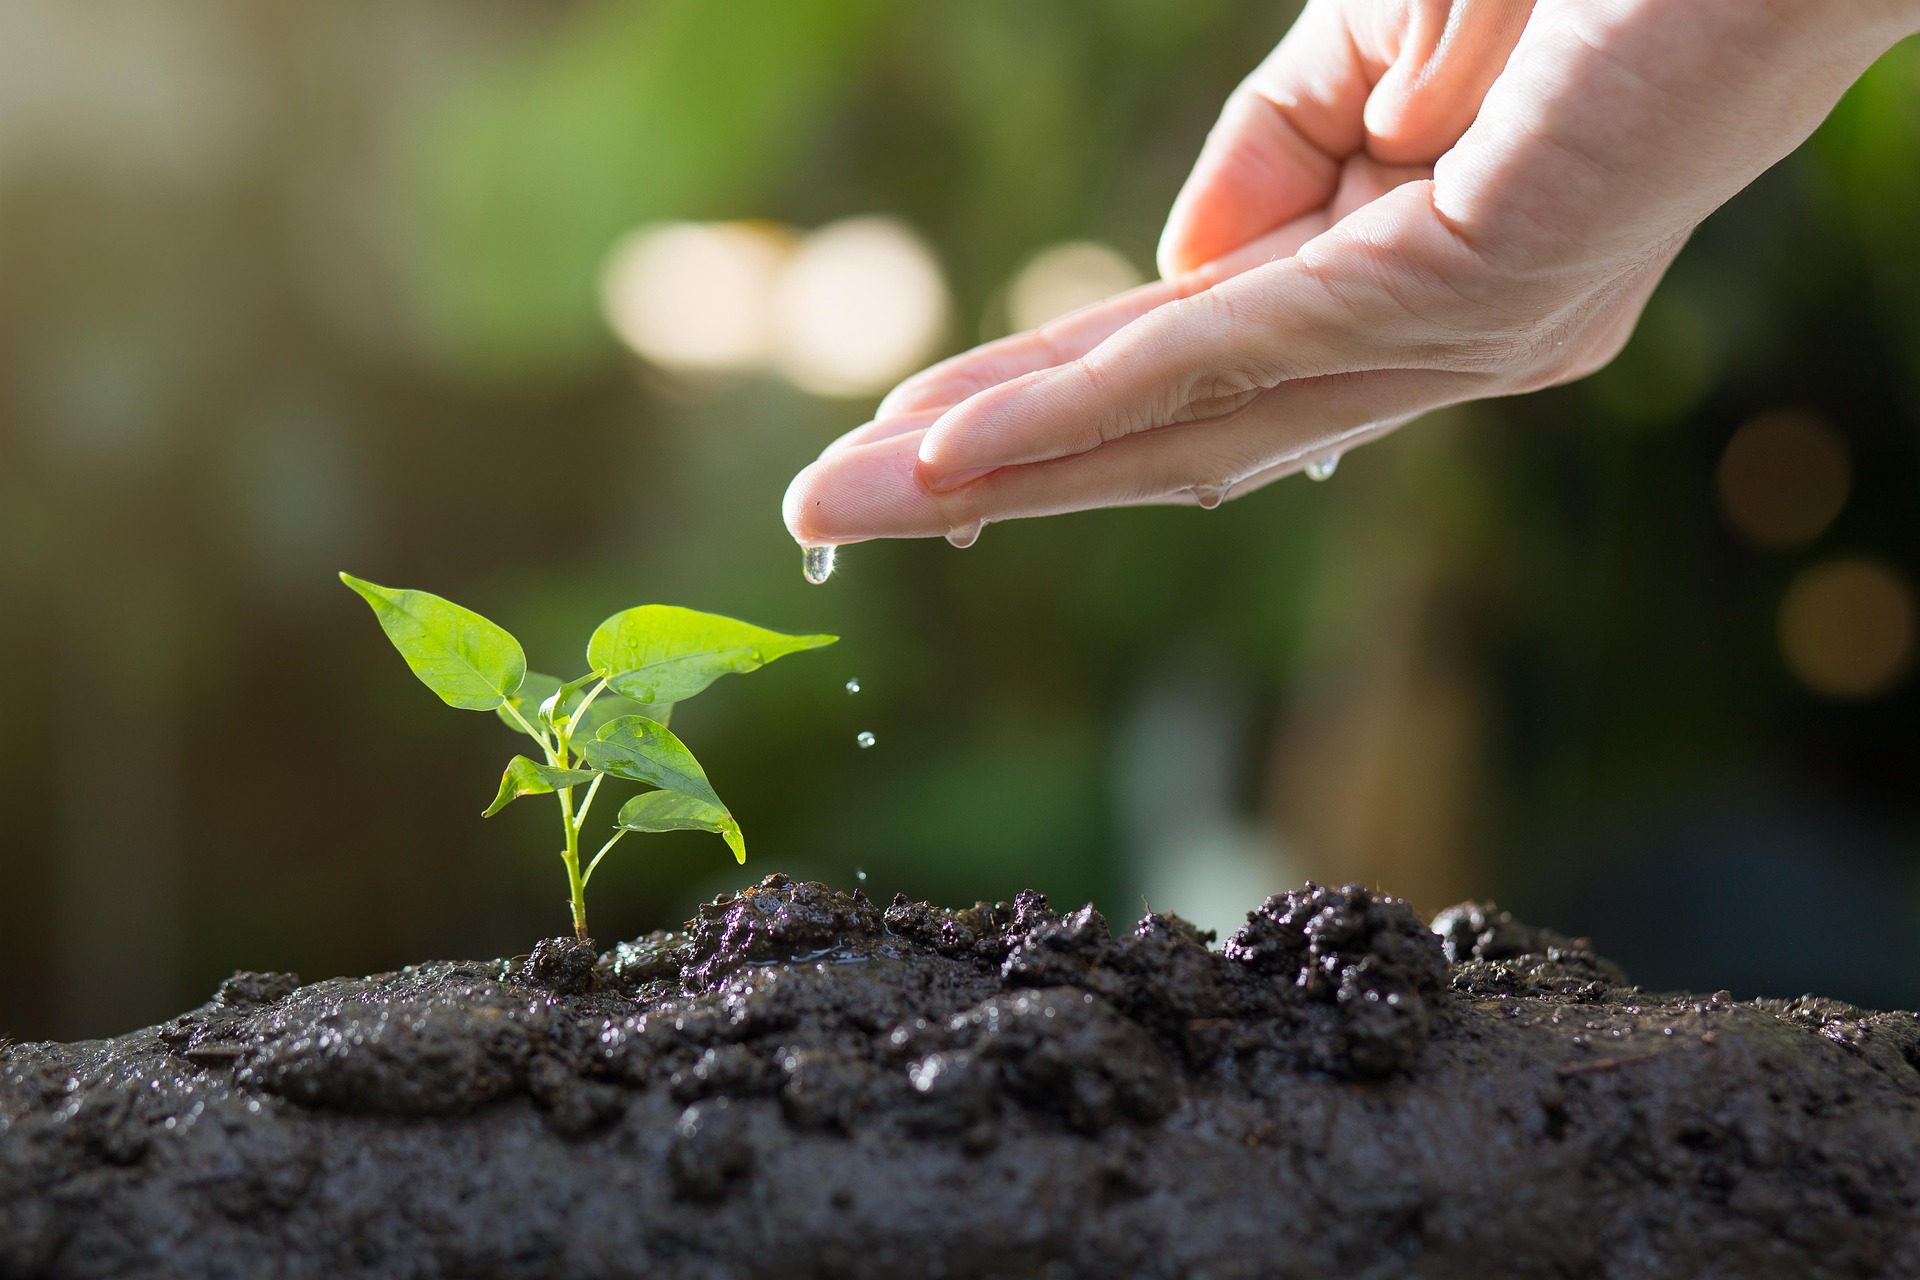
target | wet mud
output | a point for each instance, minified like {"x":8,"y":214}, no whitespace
{"x":804,"y":1083}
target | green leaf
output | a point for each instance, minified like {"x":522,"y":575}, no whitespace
{"x":470,"y":662}
{"x":663,"y":653}
{"x":533,"y":691}
{"x":641,"y":749}
{"x":672,"y":811}
{"x":526,"y":777}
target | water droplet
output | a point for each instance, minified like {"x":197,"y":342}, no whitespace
{"x":1209,"y":496}
{"x":965,"y":536}
{"x":864,"y":739}
{"x":853,"y":685}
{"x":860,"y":873}
{"x":1323,"y":468}
{"x":816,"y":563}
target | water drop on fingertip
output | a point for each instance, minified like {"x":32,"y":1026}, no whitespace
{"x":863,"y":739}
{"x":964,"y":536}
{"x":1209,"y":496}
{"x":816,"y":563}
{"x":1323,"y":468}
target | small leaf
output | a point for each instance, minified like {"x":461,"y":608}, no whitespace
{"x":470,"y":662}
{"x":641,"y":749}
{"x":672,"y":811}
{"x":663,"y":653}
{"x":554,"y":700}
{"x":526,"y":777}
{"x":533,"y":691}
{"x":558,"y":705}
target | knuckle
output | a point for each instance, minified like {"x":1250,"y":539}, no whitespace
{"x":1233,"y":346}
{"x":965,"y":507}
{"x":1215,"y":394}
{"x":1116,"y":414}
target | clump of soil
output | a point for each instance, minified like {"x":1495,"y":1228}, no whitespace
{"x":806,"y":1084}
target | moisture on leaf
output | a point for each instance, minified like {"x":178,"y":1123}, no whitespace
{"x":643,"y":750}
{"x":663,"y":653}
{"x":672,"y":811}
{"x":526,"y":777}
{"x":470,"y":662}
{"x":565,"y":702}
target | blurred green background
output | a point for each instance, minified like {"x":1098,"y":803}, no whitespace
{"x":287,"y":289}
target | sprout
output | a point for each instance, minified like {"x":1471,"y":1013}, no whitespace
{"x":611,"y":722}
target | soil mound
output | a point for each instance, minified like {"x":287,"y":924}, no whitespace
{"x":804,"y":1083}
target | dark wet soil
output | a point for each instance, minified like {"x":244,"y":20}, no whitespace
{"x":806,"y":1084}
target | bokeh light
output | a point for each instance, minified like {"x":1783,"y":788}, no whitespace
{"x":1065,"y":278}
{"x":696,"y":297}
{"x":845,"y":311}
{"x":861,"y":305}
{"x":1783,"y":478}
{"x":1846,"y":627}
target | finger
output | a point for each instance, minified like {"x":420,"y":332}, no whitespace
{"x":1206,"y":463}
{"x":1203,"y":357}
{"x":1073,"y":335}
{"x":872,"y":490}
{"x":1398,"y":81}
{"x":882,"y":428}
{"x":1374,"y":292}
{"x":956,"y":378}
{"x":866,"y":490}
{"x":1444,"y":59}
{"x":1275,"y":153}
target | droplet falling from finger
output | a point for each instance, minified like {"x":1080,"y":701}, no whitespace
{"x":817,"y":564}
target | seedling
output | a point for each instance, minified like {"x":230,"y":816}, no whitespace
{"x":611,"y":722}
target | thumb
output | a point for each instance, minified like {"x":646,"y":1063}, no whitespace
{"x":1448,"y":56}
{"x":1400,"y":80}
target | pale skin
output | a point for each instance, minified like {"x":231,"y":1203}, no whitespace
{"x":1409,"y":204}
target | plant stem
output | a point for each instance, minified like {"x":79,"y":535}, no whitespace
{"x":586,"y":802}
{"x":538,"y":736}
{"x":575,"y":881}
{"x":580,"y":711}
{"x":603,"y":853}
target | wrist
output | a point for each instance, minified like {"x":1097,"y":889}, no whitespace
{"x":1870,"y":26}
{"x":1844,"y":35}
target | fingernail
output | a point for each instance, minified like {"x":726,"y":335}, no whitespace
{"x":947,"y":483}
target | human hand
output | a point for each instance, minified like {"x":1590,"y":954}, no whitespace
{"x":1411,"y":203}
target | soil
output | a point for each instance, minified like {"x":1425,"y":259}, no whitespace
{"x":808,"y":1084}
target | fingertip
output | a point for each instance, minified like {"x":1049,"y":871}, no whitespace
{"x":1167,"y":254}
{"x":934,"y":387}
{"x":800,"y":507}
{"x":865,"y":491}
{"x":1170,"y":255}
{"x":963,"y":442}
{"x":901,"y":399}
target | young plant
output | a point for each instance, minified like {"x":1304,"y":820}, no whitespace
{"x":611,"y":722}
